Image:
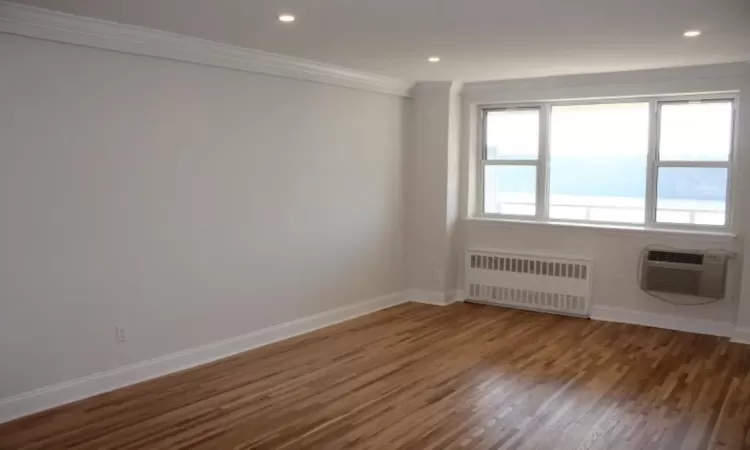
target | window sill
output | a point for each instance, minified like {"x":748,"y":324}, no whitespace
{"x":609,"y":229}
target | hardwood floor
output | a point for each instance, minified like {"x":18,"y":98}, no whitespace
{"x":425,"y":377}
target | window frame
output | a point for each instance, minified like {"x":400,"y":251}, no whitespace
{"x":653,"y":163}
{"x":542,"y":159}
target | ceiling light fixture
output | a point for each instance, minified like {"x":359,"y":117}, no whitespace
{"x":692,"y":33}
{"x":286,"y":18}
{"x":433,"y":59}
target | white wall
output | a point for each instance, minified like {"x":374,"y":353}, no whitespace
{"x":188,"y":204}
{"x":453,"y":195}
{"x":615,"y":255}
{"x":426,"y":187}
{"x":432,"y":184}
{"x":615,"y":252}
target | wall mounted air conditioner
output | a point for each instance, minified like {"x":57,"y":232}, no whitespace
{"x":700,"y":274}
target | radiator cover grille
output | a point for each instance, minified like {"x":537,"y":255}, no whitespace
{"x":544,"y":283}
{"x":529,"y":266}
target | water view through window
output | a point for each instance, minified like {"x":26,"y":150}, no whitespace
{"x":598,"y":162}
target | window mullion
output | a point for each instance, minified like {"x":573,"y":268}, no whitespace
{"x":481,"y":187}
{"x":482,"y":157}
{"x":653,"y":154}
{"x":542,"y":168}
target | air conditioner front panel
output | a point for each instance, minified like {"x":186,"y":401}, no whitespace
{"x":675,"y":280}
{"x":693,"y":274}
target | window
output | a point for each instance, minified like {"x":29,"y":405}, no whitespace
{"x":693,"y":160}
{"x":598,"y":161}
{"x":512,"y":160}
{"x":653,"y":162}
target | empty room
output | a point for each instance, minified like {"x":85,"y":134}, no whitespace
{"x":374,"y":224}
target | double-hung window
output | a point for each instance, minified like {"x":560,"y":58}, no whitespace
{"x":512,"y":161}
{"x":652,"y":162}
{"x":693,"y":162}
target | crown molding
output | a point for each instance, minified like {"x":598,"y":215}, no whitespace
{"x":436,"y":87}
{"x":41,"y":23}
{"x":726,"y":71}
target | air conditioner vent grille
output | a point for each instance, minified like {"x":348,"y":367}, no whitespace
{"x":693,"y":273}
{"x":675,"y":257}
{"x":678,"y":281}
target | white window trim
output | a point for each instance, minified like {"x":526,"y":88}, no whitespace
{"x":542,"y":164}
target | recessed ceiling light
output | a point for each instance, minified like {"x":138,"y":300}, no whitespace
{"x":433,"y":59}
{"x":692,"y":33}
{"x":286,"y":18}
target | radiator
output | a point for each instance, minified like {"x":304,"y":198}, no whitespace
{"x":553,"y":284}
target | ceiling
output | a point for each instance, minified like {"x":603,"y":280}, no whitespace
{"x":476,"y":39}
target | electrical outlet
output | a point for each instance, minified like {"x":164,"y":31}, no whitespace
{"x":437,"y":275}
{"x":120,"y":335}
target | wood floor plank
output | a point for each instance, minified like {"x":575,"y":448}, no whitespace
{"x":424,"y":377}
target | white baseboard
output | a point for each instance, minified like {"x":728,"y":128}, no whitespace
{"x":70,"y":391}
{"x":428,"y":297}
{"x":458,"y":295}
{"x":741,"y":335}
{"x":666,"y":321}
